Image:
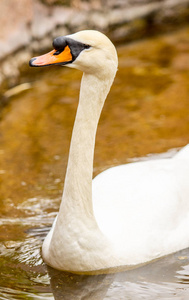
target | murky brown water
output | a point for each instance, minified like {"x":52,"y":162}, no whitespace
{"x":146,"y":112}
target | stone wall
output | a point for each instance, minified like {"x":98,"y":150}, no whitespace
{"x":28,"y":26}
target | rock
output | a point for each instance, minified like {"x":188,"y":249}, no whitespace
{"x":15,"y":18}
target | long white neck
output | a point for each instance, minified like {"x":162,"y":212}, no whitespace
{"x":75,"y":231}
{"x":77,"y":195}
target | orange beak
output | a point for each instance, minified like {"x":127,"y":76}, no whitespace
{"x":54,"y":57}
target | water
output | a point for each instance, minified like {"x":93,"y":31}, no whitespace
{"x":146,"y":112}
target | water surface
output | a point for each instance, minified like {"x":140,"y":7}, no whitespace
{"x":146,"y":112}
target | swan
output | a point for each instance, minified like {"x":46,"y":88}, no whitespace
{"x":128,"y":215}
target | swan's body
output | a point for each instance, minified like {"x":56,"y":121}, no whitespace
{"x":130,"y":214}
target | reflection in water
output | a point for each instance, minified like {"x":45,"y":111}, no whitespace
{"x":70,"y":286}
{"x":148,"y":106}
{"x":158,"y":280}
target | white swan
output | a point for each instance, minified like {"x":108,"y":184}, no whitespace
{"x":128,"y":215}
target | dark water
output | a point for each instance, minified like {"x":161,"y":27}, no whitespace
{"x":146,"y":112}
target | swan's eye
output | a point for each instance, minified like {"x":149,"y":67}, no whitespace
{"x":58,"y":52}
{"x":87,"y":46}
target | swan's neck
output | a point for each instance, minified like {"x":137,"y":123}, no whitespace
{"x":75,"y":231}
{"x":77,"y":195}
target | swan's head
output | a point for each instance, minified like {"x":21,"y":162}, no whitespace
{"x":89,"y":51}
